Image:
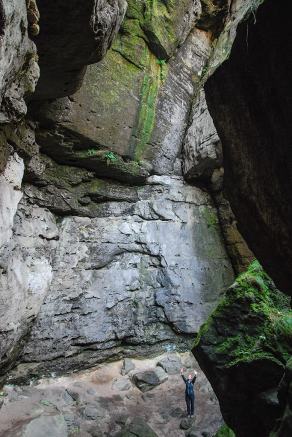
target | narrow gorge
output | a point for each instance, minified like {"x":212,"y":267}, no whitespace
{"x":145,"y":214}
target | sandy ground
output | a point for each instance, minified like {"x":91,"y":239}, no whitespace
{"x":93,"y":405}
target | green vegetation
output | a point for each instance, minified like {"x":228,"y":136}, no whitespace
{"x":224,"y":431}
{"x":91,"y":152}
{"x":110,"y":157}
{"x":210,"y":217}
{"x":257,"y":321}
{"x":162,"y":64}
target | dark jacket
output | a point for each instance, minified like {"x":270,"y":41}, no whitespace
{"x":189,"y":386}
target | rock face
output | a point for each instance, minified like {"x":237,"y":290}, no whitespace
{"x":72,"y":36}
{"x":136,"y":274}
{"x":19,"y":70}
{"x":249,"y":100}
{"x":117,"y":254}
{"x":202,"y":146}
{"x":140,"y":112}
{"x":243,"y":349}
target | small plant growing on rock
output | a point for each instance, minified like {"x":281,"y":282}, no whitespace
{"x":110,"y":157}
{"x":91,"y":152}
{"x":161,"y":63}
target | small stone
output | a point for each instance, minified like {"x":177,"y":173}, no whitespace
{"x":186,"y":423}
{"x":177,"y":412}
{"x":122,"y":384}
{"x":121,"y":419}
{"x":68,"y":398}
{"x":128,"y":365}
{"x":138,"y":427}
{"x":91,"y":392}
{"x":91,"y":412}
{"x":193,"y":433}
{"x":74,"y":394}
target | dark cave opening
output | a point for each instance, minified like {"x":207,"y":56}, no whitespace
{"x":250,"y":100}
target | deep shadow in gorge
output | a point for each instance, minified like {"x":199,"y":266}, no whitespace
{"x":250,"y":100}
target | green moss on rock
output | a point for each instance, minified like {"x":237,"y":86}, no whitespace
{"x":243,"y":348}
{"x":224,"y":431}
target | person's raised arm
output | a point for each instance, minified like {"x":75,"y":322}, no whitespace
{"x":182,"y":374}
{"x":194,"y":377}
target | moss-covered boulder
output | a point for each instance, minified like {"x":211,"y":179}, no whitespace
{"x":243,"y":349}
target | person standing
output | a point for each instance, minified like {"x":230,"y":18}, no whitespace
{"x":189,"y":392}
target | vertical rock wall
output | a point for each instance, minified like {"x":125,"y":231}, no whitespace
{"x":113,"y":253}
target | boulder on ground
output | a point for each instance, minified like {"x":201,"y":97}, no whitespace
{"x":186,"y":423}
{"x":171,"y":364}
{"x":128,"y":365}
{"x":138,"y":428}
{"x":122,"y":384}
{"x":149,"y":379}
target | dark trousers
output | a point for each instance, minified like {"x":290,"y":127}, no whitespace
{"x":190,"y":401}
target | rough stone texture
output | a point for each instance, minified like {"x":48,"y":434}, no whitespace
{"x":25,"y":262}
{"x":26,"y":273}
{"x":243,"y":349}
{"x":46,"y":425}
{"x":171,"y":364}
{"x":249,"y":100}
{"x":240,"y":254}
{"x":19,"y":70}
{"x":73,"y":35}
{"x":143,"y":254}
{"x":102,"y":410}
{"x":202,"y":146}
{"x":138,"y":274}
{"x":122,"y":384}
{"x":141,"y":111}
{"x":137,"y":427}
{"x":128,"y":365}
{"x":149,"y":379}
